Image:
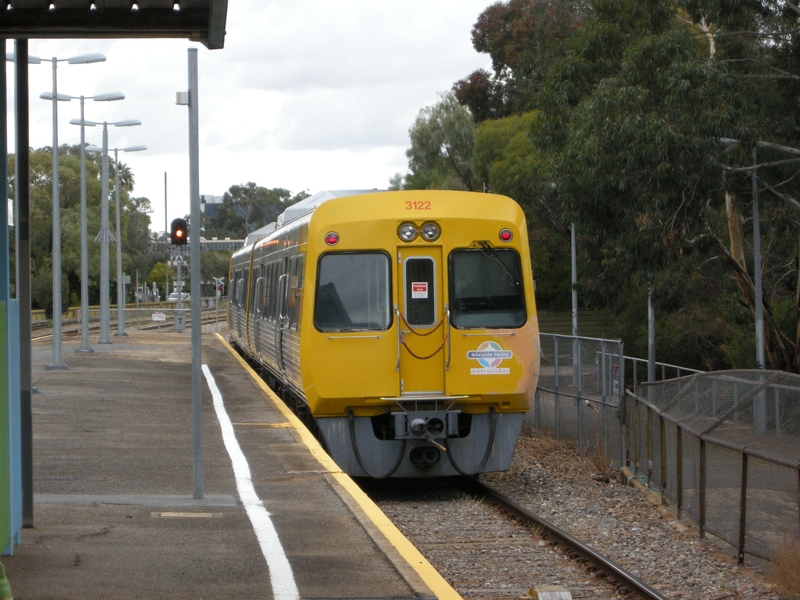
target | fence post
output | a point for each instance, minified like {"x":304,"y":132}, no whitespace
{"x":743,"y":508}
{"x":604,"y":396}
{"x":555,"y":404}
{"x":577,"y":360}
{"x":621,"y":404}
{"x":650,"y":453}
{"x":679,"y":467}
{"x":637,"y":437}
{"x":663,"y":458}
{"x":702,"y":489}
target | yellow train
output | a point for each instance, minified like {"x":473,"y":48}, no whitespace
{"x":404,"y":323}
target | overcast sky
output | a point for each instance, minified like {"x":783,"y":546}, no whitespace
{"x":306,"y":95}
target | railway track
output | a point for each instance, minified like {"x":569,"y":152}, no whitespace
{"x":44,"y":332}
{"x":594,"y":561}
{"x":489,"y":547}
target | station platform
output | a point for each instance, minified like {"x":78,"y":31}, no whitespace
{"x":114,"y":512}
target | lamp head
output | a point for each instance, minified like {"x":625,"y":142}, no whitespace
{"x":86,"y":58}
{"x":59,"y":97}
{"x":134,"y":148}
{"x":109,"y":97}
{"x":32,"y":60}
{"x":93,"y":149}
{"x":128,"y":123}
{"x":85,"y":122}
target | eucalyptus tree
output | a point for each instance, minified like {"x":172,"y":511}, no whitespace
{"x":441,"y":147}
{"x":638,"y":120}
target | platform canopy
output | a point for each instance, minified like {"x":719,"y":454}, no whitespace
{"x":198,"y":20}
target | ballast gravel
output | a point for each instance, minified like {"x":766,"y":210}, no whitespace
{"x":625,"y":524}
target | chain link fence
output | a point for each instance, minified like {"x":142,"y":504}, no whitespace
{"x":579,"y":392}
{"x":724,"y":448}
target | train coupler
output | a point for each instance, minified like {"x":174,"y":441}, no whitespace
{"x":428,"y":425}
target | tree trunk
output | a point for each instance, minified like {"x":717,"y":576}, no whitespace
{"x":776,"y":352}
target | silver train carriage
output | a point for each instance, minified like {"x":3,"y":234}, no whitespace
{"x":404,"y":323}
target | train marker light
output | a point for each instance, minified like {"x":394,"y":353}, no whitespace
{"x":407,"y":232}
{"x":430,"y":231}
{"x":178,"y":232}
{"x":332,"y":238}
{"x":506,"y":235}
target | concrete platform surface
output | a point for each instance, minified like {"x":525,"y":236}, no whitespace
{"x":114,"y":513}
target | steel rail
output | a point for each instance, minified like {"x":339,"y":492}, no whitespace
{"x":624,"y":577}
{"x":205,"y":320}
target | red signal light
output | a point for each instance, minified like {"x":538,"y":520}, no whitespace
{"x":506,"y":235}
{"x":332,"y":238}
{"x":178,"y":232}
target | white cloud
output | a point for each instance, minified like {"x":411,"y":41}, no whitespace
{"x":308,"y":94}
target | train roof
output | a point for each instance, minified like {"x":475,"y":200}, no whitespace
{"x":300,"y":208}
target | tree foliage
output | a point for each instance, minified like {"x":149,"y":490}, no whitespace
{"x":638,"y":122}
{"x":441,"y":147}
{"x":523,"y":38}
{"x":247,"y":207}
{"x":134,"y":224}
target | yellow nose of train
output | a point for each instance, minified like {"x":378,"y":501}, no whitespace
{"x":403,"y":323}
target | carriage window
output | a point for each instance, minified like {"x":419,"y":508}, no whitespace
{"x":232,"y":289}
{"x":295,"y":285}
{"x":353,"y":292}
{"x":420,"y":291}
{"x":486,"y":289}
{"x":262,"y":292}
{"x":243,"y":289}
{"x":254,"y":291}
{"x":277,"y":271}
{"x":268,"y":291}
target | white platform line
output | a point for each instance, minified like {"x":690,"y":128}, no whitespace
{"x":280,"y":571}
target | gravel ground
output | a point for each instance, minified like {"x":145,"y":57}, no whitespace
{"x":625,"y":524}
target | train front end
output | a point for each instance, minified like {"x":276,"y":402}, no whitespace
{"x":420,"y":350}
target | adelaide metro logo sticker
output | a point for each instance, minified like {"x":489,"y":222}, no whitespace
{"x":489,"y":355}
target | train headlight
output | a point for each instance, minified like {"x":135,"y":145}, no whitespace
{"x":506,"y":235}
{"x":332,"y":238}
{"x":407,"y":232}
{"x":430,"y":231}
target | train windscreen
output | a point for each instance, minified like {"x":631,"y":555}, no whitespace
{"x":486,"y":289}
{"x":353,"y":292}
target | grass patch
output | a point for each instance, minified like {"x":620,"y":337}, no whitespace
{"x":785,"y":573}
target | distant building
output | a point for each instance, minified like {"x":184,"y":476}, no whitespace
{"x":227,"y":244}
{"x":210,"y":205}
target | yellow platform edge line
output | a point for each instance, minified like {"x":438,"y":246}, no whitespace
{"x":430,"y":576}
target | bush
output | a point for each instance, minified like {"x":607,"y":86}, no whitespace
{"x":785,"y":574}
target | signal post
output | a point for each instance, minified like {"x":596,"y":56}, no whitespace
{"x":178,"y":238}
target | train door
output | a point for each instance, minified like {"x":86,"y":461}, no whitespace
{"x":241,"y":299}
{"x":281,"y":318}
{"x":290,"y":348}
{"x":421,"y":320}
{"x":257,"y":309}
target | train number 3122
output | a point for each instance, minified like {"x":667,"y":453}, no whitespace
{"x":418,"y":205}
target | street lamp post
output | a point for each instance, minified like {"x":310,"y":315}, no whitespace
{"x":85,"y":347}
{"x":104,"y":235}
{"x":55,"y":97}
{"x":120,"y":274}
